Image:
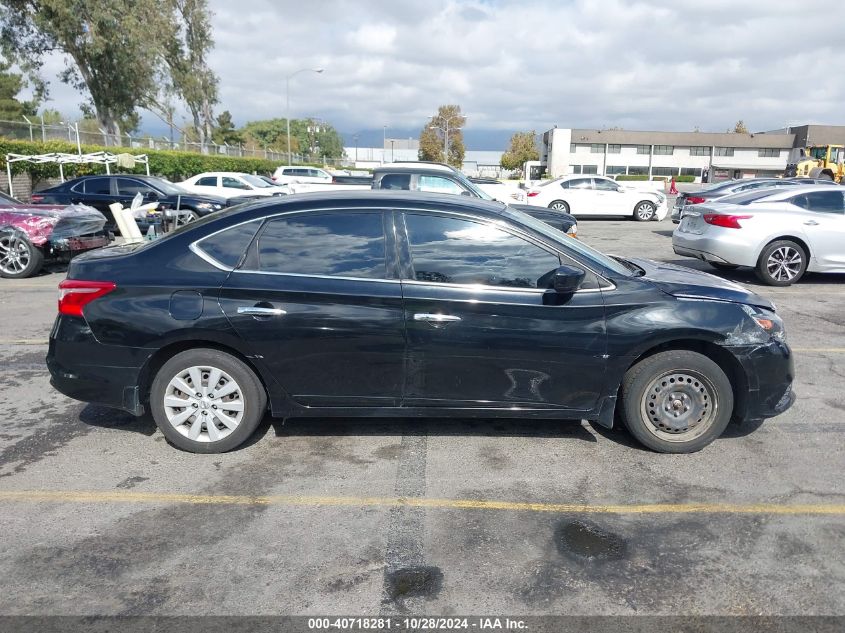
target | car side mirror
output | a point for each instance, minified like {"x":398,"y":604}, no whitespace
{"x":152,"y":196}
{"x":466,"y":193}
{"x":567,"y":279}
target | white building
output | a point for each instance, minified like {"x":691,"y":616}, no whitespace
{"x":610,"y":152}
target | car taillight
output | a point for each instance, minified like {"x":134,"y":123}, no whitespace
{"x":35,"y":198}
{"x":694,"y":200}
{"x":75,"y":294}
{"x":726,"y":221}
{"x":531,"y":194}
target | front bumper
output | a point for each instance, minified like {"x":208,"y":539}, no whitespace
{"x":84,"y":369}
{"x":770,"y":371}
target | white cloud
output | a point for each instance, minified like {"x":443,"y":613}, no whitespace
{"x":515,"y":64}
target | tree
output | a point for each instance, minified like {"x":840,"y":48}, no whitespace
{"x":186,"y":57}
{"x":11,"y":108}
{"x":225,"y":132}
{"x":522,"y":149}
{"x":434,"y":138}
{"x":740,"y":128}
{"x":114,"y":45}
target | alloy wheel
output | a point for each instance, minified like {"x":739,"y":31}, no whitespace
{"x":204,"y":404}
{"x":15,"y":254}
{"x":645,"y":211}
{"x":679,"y":406}
{"x":784,"y":263}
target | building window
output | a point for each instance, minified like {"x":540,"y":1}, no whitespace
{"x":573,"y":148}
{"x":614,"y":149}
{"x":597,"y":148}
{"x":664,"y":150}
{"x":575,"y":169}
{"x":636,"y":170}
{"x":664,"y":171}
{"x":699,"y":151}
{"x":590,"y":169}
{"x":644,"y":149}
{"x":768,"y":153}
{"x":691,"y":171}
{"x":724,"y":151}
{"x":613,"y":170}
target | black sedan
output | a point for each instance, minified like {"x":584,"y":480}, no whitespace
{"x":101,"y":191}
{"x":385,"y":303}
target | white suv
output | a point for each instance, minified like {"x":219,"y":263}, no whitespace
{"x":286,"y":174}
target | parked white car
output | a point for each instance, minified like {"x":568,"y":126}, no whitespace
{"x":781,"y":233}
{"x":287,"y":174}
{"x":597,"y":195}
{"x":231,"y":185}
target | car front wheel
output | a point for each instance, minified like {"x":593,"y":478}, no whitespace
{"x":559,"y":205}
{"x":207,"y":401}
{"x":19,"y":258}
{"x":644,"y":211}
{"x":781,"y":263}
{"x":676,"y":401}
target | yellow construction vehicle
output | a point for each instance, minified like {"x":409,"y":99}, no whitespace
{"x":817,"y":161}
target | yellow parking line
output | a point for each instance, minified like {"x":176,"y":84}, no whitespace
{"x":114,"y":496}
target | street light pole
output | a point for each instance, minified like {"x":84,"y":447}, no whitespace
{"x":446,"y":133}
{"x":287,"y":100}
{"x":383,"y":144}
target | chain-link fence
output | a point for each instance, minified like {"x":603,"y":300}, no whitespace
{"x":35,"y":130}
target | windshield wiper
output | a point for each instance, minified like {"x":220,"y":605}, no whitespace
{"x":638,"y":271}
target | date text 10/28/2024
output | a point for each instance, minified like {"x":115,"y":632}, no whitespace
{"x":415,"y":624}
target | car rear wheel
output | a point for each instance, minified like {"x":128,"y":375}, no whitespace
{"x":721,"y":266}
{"x":676,"y":401}
{"x":644,"y":211}
{"x":559,"y":205}
{"x":781,"y":263}
{"x":19,"y":258}
{"x":207,"y":401}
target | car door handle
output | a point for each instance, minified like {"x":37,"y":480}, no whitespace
{"x":259,"y":311}
{"x":811,"y":223}
{"x":436,"y":320}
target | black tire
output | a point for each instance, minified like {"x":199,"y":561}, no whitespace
{"x":689,"y":378}
{"x":19,"y":258}
{"x":559,"y":205}
{"x":251,"y":397}
{"x":794,"y":261}
{"x":721,"y":266}
{"x":821,"y":174}
{"x":644,"y":211}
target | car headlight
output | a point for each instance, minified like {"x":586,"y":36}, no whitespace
{"x":572,"y":231}
{"x":768,"y":324}
{"x":210,"y":206}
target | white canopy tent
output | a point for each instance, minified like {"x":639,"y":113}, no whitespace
{"x":108,"y":159}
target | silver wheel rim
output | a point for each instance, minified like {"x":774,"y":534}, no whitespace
{"x":558,"y":206}
{"x":679,"y":406}
{"x":183,"y":219}
{"x":14,"y":254}
{"x":204,"y":403}
{"x":784,"y":263}
{"x":645,"y":211}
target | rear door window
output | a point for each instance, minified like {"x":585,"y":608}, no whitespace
{"x":438,"y":184}
{"x":396,"y":181}
{"x":233,"y":183}
{"x":577,"y":183}
{"x":821,"y":201}
{"x":343,"y":244}
{"x":207,"y":181}
{"x":98,"y":186}
{"x":228,"y":246}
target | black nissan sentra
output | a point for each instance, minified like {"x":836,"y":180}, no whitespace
{"x":409,"y":305}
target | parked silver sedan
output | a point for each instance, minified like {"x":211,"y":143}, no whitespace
{"x":781,"y":233}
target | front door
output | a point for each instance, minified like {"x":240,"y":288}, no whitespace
{"x":483,"y":328}
{"x":315,"y":301}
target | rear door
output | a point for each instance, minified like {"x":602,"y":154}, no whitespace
{"x":318,"y":301}
{"x":578,"y":194}
{"x":484,"y":330}
{"x":824,"y":224}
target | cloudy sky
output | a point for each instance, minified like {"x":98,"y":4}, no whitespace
{"x":515,"y":65}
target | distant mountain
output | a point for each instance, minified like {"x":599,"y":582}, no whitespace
{"x":474,"y":139}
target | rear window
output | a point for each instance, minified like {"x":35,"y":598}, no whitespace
{"x":228,"y":246}
{"x":98,"y":186}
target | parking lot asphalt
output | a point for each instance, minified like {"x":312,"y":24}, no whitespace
{"x":99,"y":515}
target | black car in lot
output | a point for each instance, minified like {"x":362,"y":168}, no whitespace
{"x":384,"y":303}
{"x":101,"y":191}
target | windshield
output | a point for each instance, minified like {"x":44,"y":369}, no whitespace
{"x":478,"y":193}
{"x":597,"y":257}
{"x":255,"y":181}
{"x":747,"y":197}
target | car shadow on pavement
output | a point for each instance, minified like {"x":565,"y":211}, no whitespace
{"x":664,"y":233}
{"x":106,"y":418}
{"x":482,"y":427}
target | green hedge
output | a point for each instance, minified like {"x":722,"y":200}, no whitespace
{"x":172,"y":165}
{"x":632,"y":177}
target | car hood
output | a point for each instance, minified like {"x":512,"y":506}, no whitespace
{"x":198,"y":197}
{"x":679,"y":281}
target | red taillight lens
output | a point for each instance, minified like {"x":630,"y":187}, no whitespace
{"x":531,"y":194}
{"x":726,"y":221}
{"x":35,"y":198}
{"x":75,"y":294}
{"x":694,"y":200}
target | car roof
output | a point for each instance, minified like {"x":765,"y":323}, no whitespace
{"x":221,"y":173}
{"x":417,"y":165}
{"x":780,"y":193}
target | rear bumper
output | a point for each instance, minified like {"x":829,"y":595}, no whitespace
{"x":84,"y":369}
{"x":770,"y":370}
{"x":725,"y":246}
